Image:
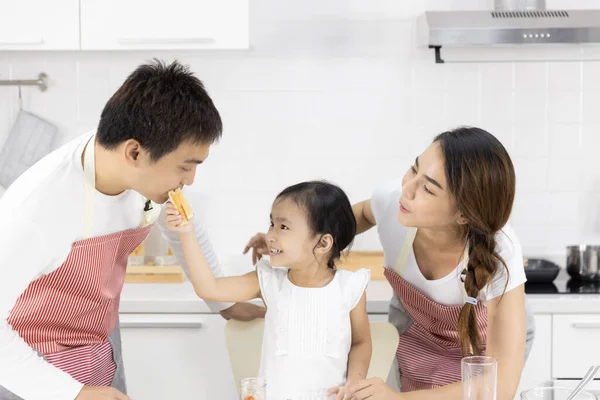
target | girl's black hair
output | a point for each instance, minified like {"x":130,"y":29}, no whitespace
{"x":328,"y":211}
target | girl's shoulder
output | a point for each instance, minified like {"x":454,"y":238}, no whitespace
{"x":353,"y":283}
{"x":270,"y":279}
{"x":265,"y":269}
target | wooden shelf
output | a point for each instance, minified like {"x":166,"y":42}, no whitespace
{"x":356,"y":260}
{"x":154,"y":274}
{"x":352,"y":261}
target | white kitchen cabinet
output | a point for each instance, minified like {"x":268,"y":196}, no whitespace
{"x":39,"y":25}
{"x":176,"y":356}
{"x":538,"y":369}
{"x":156,"y":24}
{"x":575,"y":346}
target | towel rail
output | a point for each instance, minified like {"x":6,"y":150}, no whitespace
{"x":41,"y":82}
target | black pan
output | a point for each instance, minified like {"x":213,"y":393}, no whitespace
{"x":538,"y":270}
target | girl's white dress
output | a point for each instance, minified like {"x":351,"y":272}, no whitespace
{"x":307,"y":334}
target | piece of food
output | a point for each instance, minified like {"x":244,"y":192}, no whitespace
{"x":249,"y":397}
{"x":181,"y":205}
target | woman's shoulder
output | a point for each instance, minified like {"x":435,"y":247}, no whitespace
{"x":508,"y":246}
{"x":509,"y":249}
{"x":384,"y":195}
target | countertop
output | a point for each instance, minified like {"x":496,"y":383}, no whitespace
{"x":180,"y":298}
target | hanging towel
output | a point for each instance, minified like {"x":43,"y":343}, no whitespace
{"x":29,"y":140}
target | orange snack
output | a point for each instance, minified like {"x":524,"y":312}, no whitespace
{"x":181,"y":205}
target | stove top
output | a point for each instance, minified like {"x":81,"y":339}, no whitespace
{"x":563,"y":284}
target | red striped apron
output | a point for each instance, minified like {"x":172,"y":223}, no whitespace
{"x":68,"y":315}
{"x":428,"y":352}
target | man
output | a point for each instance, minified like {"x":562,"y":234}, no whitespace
{"x":69,"y":223}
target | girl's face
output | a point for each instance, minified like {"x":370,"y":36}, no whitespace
{"x":426,"y":201}
{"x":290,"y":240}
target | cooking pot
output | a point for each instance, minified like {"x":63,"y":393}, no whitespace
{"x":583,"y":261}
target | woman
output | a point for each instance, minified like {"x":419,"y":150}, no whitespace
{"x":455,"y":265}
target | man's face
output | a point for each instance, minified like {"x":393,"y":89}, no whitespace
{"x":154,"y":179}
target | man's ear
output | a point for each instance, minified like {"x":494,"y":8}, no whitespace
{"x":132,"y":150}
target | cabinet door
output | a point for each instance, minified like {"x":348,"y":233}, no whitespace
{"x":176,"y":356}
{"x":39,"y":25}
{"x":156,"y":24}
{"x":538,"y":369}
{"x":575,"y":344}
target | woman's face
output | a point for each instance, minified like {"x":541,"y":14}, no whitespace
{"x":426,"y":201}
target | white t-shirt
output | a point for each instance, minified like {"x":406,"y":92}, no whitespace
{"x":307,"y":335}
{"x":449,"y":289}
{"x":41,"y":216}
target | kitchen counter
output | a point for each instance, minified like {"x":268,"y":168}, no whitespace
{"x":180,"y":298}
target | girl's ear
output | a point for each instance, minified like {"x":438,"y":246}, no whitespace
{"x":324,"y":244}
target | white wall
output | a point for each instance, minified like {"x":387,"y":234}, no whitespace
{"x":338,"y":89}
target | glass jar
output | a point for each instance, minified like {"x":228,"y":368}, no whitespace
{"x":253,"y":389}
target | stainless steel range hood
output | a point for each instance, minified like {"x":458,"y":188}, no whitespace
{"x":509,"y":27}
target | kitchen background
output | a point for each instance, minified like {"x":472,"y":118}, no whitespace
{"x":340,"y":90}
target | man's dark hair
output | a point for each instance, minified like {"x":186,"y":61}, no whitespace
{"x":160,"y":106}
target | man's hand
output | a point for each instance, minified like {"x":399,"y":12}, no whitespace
{"x":244,"y":312}
{"x":100,"y":393}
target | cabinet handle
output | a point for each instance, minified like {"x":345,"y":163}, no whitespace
{"x":164,"y":41}
{"x":586,"y":325}
{"x":22,"y":42}
{"x":160,"y":321}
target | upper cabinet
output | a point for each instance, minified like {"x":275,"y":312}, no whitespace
{"x":39,"y":25}
{"x":123,"y":24}
{"x":158,"y":24}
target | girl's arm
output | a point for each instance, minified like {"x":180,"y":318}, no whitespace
{"x":360,"y":352}
{"x":206,"y":286}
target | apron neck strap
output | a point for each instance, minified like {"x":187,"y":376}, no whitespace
{"x":405,"y":250}
{"x":89,"y":171}
{"x":407,"y":247}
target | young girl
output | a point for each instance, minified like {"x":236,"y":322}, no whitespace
{"x":455,"y":265}
{"x":317,"y":337}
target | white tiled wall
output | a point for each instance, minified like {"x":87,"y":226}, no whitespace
{"x":339,"y":90}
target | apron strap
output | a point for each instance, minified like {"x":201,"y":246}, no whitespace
{"x":89,"y":171}
{"x":405,"y":251}
{"x":407,"y":247}
{"x":150,"y":210}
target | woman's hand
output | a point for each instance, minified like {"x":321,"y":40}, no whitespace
{"x":258,"y":244}
{"x":340,"y":392}
{"x":173,"y":220}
